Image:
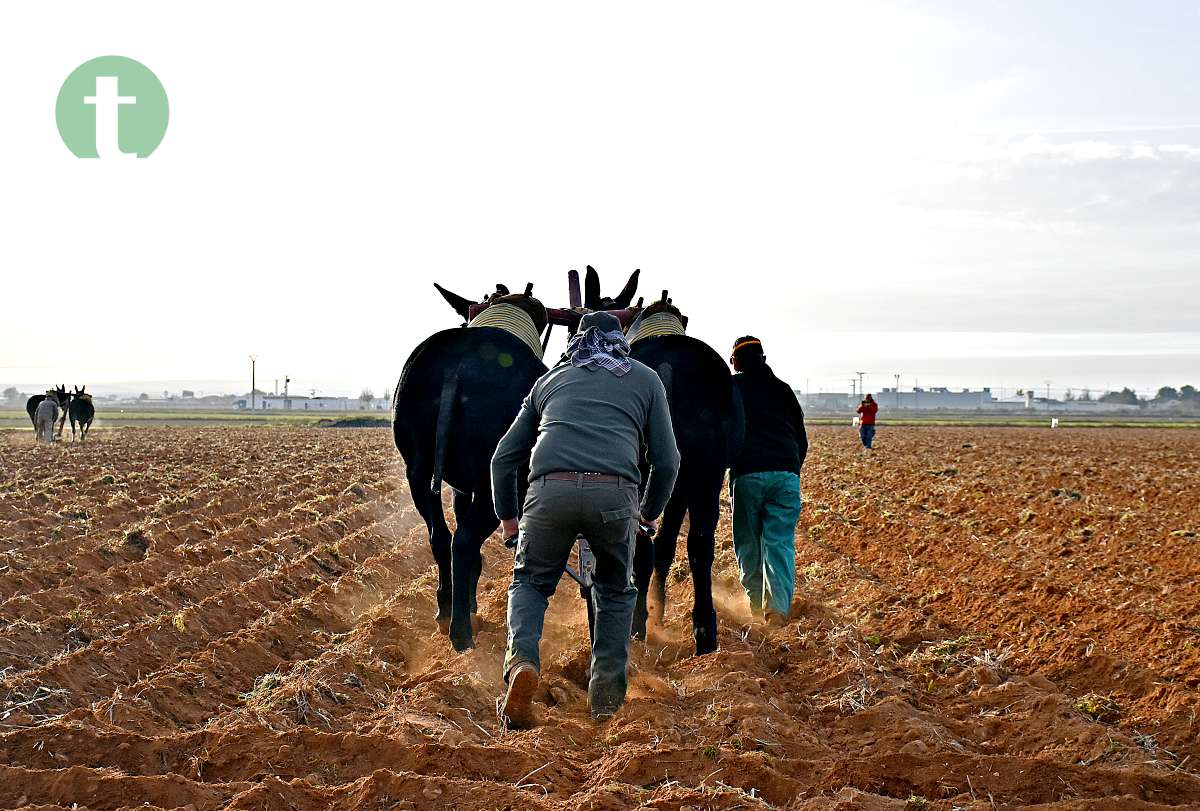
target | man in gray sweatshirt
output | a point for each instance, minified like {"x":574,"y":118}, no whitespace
{"x":45,"y":416}
{"x":586,"y":422}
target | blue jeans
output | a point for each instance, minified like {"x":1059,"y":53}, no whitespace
{"x":555,"y":512}
{"x":867,"y":432}
{"x":766,"y":507}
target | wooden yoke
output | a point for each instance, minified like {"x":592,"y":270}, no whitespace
{"x":568,"y":317}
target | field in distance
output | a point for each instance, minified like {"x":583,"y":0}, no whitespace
{"x":182,"y":417}
{"x":115,"y":418}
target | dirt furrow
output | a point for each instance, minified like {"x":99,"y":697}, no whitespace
{"x":92,"y":672}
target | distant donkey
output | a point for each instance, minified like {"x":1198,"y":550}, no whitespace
{"x":61,"y":398}
{"x":706,"y":413}
{"x":459,"y":392}
{"x":81,"y":411}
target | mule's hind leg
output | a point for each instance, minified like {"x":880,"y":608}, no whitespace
{"x":643,"y":567}
{"x":430,"y":508}
{"x":665,"y":543}
{"x":704,"y":511}
{"x":476,"y":520}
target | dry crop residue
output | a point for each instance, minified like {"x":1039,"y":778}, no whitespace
{"x":242,"y":619}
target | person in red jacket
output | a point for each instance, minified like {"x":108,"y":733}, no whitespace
{"x":866,"y":426}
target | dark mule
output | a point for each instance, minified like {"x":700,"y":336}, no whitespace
{"x":459,"y":392}
{"x":60,"y":394}
{"x":81,"y":411}
{"x":709,"y":425}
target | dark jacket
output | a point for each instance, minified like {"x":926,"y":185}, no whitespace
{"x":775,"y":436}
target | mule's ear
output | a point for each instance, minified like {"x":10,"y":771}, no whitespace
{"x":461,"y":305}
{"x":627,"y":293}
{"x":591,"y":289}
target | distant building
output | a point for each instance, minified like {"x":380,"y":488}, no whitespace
{"x":279,"y":402}
{"x":828,"y":401}
{"x":934,"y":398}
{"x":1028,"y":402}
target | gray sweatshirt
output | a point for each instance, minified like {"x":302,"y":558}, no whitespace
{"x":47,"y":410}
{"x":588,"y":420}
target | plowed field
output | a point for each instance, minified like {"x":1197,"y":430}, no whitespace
{"x":243,"y":619}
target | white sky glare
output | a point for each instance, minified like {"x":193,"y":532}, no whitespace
{"x":965,"y":193}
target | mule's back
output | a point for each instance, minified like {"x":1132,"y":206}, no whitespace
{"x":705,"y":410}
{"x":31,"y":406}
{"x":494,"y":370}
{"x":81,"y":409}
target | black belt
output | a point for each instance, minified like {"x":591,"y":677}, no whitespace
{"x":570,"y":476}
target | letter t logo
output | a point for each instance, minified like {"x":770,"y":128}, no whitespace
{"x":107,"y":102}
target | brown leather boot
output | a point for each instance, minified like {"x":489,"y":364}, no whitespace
{"x":517,"y":711}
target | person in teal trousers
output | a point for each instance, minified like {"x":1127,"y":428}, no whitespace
{"x":764,"y":483}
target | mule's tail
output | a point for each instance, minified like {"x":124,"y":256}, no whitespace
{"x":441,"y":436}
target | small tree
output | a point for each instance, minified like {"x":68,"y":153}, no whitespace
{"x":143,"y":396}
{"x":1187,"y":392}
{"x":11,"y":393}
{"x":1125,"y":396}
{"x":1166,"y":394}
{"x":366,"y":396}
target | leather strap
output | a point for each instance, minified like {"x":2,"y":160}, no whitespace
{"x":569,"y":476}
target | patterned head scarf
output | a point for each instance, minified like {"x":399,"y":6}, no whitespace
{"x":600,"y":344}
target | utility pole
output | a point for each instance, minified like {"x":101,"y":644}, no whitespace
{"x":1048,"y":382}
{"x":860,"y":382}
{"x":286,"y":380}
{"x":897,"y":389}
{"x":253,"y":384}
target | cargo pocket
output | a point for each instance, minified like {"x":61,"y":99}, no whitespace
{"x":621,"y":514}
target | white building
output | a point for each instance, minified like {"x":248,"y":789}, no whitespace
{"x":938,"y":397}
{"x":293,"y":402}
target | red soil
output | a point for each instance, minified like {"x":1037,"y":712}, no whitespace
{"x":243,"y":619}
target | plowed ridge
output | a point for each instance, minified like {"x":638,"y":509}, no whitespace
{"x":242,"y":618}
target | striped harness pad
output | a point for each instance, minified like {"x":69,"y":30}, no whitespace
{"x":513,"y":320}
{"x":648,"y":326}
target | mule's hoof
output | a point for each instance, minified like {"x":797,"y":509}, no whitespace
{"x":461,"y":638}
{"x":443,"y":624}
{"x":706,"y":641}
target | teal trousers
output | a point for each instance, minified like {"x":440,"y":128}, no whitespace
{"x":766,"y":507}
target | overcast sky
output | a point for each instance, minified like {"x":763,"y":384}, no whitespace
{"x":963,"y":193}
